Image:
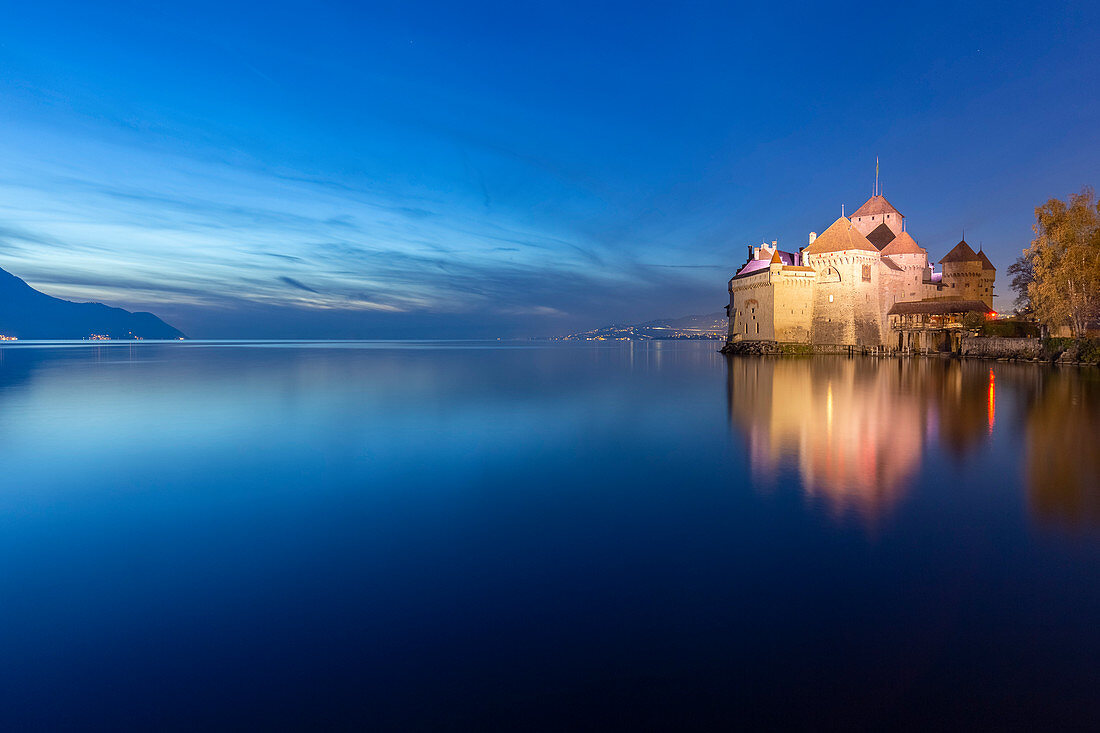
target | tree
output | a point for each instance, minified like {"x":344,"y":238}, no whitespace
{"x":1023,"y":274}
{"x":972,"y":320}
{"x":1065,"y":259}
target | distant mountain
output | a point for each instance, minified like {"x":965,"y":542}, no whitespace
{"x":26,"y":313}
{"x":710,"y":326}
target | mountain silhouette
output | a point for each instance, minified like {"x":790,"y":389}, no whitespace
{"x":25,"y":313}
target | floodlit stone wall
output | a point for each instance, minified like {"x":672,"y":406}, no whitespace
{"x":1002,"y":348}
{"x":867,"y":224}
{"x":792,"y":305}
{"x":847,"y":307}
{"x":772,"y":305}
{"x":751,"y":307}
{"x":911,"y":285}
{"x":964,"y":281}
{"x":987,"y":279}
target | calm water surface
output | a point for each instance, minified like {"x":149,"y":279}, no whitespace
{"x":568,"y":537}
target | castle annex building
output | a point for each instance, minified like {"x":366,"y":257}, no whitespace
{"x":863,"y":282}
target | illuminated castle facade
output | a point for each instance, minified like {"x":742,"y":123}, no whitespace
{"x":863,"y":282}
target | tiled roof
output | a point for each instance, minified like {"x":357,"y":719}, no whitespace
{"x":938,"y":307}
{"x":903,"y":244}
{"x":776,"y":259}
{"x":839,"y":237}
{"x":874,"y":206}
{"x":961,"y":252}
{"x":881,"y":236}
{"x":751,"y":267}
{"x":756,"y":265}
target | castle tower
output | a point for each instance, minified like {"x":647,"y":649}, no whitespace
{"x":846,"y":307}
{"x":912,"y":259}
{"x":877,"y":219}
{"x":966,"y":274}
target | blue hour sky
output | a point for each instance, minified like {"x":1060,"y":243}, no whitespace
{"x":511,"y":169}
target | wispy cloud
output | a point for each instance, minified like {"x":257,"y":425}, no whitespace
{"x":159,"y":230}
{"x":296,"y":284}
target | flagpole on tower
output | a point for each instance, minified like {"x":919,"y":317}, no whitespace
{"x":876,"y":176}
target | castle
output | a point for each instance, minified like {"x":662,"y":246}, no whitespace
{"x":863,"y":282}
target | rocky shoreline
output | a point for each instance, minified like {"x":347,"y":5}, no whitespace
{"x":1068,"y":352}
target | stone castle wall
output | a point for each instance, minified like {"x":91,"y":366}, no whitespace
{"x":867,"y":224}
{"x":987,"y":280}
{"x":911,"y":284}
{"x":1002,"y":348}
{"x":846,"y":299}
{"x":752,"y":314}
{"x":893,"y":286}
{"x":963,"y":280}
{"x":793,"y":304}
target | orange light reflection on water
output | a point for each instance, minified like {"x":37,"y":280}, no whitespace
{"x":992,"y":402}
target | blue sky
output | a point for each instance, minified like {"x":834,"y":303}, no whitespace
{"x":511,"y":169}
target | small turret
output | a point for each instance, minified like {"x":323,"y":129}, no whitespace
{"x":963,"y":277}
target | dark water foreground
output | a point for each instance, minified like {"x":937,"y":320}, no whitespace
{"x":482,"y":537}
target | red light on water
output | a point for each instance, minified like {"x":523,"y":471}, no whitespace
{"x":992,"y":402}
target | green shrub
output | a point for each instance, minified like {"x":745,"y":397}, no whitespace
{"x":1053,"y":347}
{"x":1082,"y":350}
{"x":1011,"y":329}
{"x":1088,"y":351}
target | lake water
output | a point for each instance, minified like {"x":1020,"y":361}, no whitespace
{"x":440,"y":536}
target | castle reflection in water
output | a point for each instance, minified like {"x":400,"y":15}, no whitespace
{"x":857,"y":430}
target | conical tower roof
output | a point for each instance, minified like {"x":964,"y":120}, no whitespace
{"x":874,"y":206}
{"x":840,"y":236}
{"x":961,"y":252}
{"x":903,"y":244}
{"x":776,"y":259}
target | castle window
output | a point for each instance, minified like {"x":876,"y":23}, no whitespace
{"x":830,"y":299}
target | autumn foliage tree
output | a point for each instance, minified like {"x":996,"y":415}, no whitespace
{"x":1065,"y":262}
